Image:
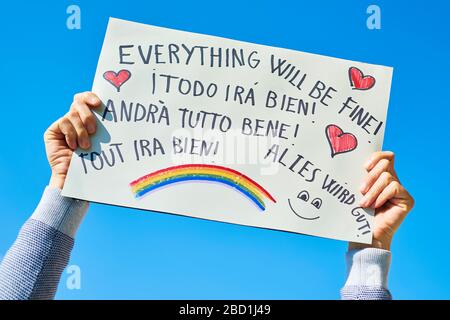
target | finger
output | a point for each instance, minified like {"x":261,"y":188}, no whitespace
{"x":86,"y":116}
{"x":390,"y":192}
{"x":88,"y":98}
{"x":373,"y":175}
{"x":376,"y":157}
{"x":378,"y":187}
{"x":66,"y":127}
{"x":82,"y":135}
{"x":53,"y":131}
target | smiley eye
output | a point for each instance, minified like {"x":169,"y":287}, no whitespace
{"x":303,"y":195}
{"x":317,"y":202}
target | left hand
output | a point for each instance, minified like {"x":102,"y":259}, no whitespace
{"x":383,"y":192}
{"x":68,"y":133}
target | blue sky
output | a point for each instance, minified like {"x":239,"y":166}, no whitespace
{"x":125,"y":253}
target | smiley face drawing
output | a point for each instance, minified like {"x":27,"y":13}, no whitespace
{"x":299,"y":204}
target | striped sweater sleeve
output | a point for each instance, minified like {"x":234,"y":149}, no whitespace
{"x":367,"y":275}
{"x":32,"y":267}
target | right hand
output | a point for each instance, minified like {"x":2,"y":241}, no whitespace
{"x":384,"y":193}
{"x":69,"y":132}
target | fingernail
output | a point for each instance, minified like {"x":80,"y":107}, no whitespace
{"x":90,"y":128}
{"x":94,"y":100}
{"x":363,"y":188}
{"x":363,"y":201}
{"x":85,"y":143}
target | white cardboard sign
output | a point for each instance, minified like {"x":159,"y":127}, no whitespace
{"x":232,"y":131}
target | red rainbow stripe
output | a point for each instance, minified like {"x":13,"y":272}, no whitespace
{"x":201,"y":172}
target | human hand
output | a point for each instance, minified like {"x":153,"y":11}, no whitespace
{"x":68,"y":133}
{"x":383,"y":192}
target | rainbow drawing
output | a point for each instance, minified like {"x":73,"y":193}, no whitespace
{"x":202,"y":172}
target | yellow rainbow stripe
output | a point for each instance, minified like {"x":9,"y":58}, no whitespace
{"x":201,"y":172}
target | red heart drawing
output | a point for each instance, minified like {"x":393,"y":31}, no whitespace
{"x":359,"y":81}
{"x":117,"y":79}
{"x":339,"y":141}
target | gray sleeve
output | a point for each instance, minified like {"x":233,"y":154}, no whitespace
{"x":367,"y":275}
{"x":32,"y":267}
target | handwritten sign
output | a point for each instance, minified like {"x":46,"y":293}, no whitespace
{"x":231,"y":131}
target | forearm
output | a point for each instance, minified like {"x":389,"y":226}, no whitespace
{"x":32,"y":267}
{"x":367,"y":275}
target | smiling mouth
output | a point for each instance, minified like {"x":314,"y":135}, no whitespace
{"x":298,"y":215}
